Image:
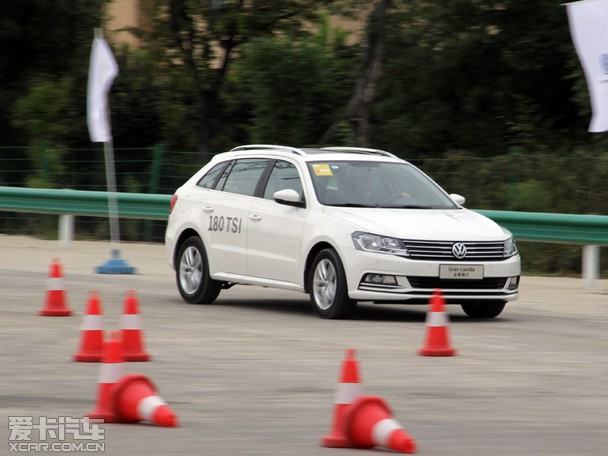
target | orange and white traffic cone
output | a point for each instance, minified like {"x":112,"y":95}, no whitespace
{"x":55,"y":304}
{"x":369,"y":423}
{"x":134,"y":399}
{"x":110,"y":373}
{"x":437,"y":341}
{"x":91,"y":332}
{"x":132,"y":333}
{"x":348,"y":389}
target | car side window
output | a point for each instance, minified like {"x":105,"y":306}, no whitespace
{"x":210,"y":179}
{"x":283,"y":176}
{"x":244,"y":176}
{"x":220,"y":183}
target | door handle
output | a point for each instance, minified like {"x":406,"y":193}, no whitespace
{"x":208,"y":209}
{"x":255,"y":217}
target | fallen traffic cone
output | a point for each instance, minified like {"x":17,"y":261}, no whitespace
{"x":437,"y":341}
{"x":348,"y":389}
{"x":55,"y":304}
{"x":91,"y":331}
{"x":132,"y":334}
{"x":111,"y":371}
{"x":134,"y":399}
{"x":369,"y":423}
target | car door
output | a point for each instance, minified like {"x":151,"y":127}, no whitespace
{"x":225,"y":215}
{"x":275,"y":230}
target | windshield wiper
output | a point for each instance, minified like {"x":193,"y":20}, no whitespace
{"x":352,"y":205}
{"x":408,"y":206}
{"x":402,"y":206}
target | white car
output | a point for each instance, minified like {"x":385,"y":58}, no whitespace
{"x":343,"y":224}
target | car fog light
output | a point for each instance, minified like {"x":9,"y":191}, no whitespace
{"x":402,"y":282}
{"x":380,"y":279}
{"x":513,"y":283}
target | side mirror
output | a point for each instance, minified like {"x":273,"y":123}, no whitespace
{"x":458,"y":199}
{"x":288,"y":197}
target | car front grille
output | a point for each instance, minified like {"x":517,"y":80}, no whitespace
{"x":489,"y":283}
{"x":442,"y":250}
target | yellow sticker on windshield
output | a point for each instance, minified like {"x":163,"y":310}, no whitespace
{"x":322,"y":169}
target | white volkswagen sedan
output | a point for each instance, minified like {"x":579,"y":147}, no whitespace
{"x":342,"y":224}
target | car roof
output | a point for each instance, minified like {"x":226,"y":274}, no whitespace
{"x":308,"y":153}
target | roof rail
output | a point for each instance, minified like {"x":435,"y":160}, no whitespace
{"x":295,"y":150}
{"x":361,"y":150}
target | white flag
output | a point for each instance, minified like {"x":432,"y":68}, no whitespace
{"x":102,"y":71}
{"x":589,"y":30}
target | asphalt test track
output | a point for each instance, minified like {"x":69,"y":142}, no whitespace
{"x":255,"y":373}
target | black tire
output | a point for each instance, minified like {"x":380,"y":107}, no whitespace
{"x":208,"y":289}
{"x":484,"y":309}
{"x":341,"y":306}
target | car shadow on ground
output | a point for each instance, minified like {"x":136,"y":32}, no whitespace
{"x":365,"y":311}
{"x":289,"y":306}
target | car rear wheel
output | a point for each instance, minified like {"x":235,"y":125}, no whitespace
{"x":484,"y":309}
{"x":192,"y":273}
{"x":327,"y":286}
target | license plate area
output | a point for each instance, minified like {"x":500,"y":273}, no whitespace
{"x":461,"y":271}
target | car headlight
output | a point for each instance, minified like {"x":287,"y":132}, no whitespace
{"x":378,"y":244}
{"x":510,"y":248}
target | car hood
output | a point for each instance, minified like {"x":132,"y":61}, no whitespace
{"x":428,"y":224}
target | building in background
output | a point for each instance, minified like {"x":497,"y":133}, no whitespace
{"x":122,"y":14}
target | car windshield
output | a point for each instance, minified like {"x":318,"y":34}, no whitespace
{"x":376,"y":184}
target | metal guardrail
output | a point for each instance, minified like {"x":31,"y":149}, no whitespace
{"x":546,"y":227}
{"x":529,"y":226}
{"x":80,"y":202}
{"x":589,"y":230}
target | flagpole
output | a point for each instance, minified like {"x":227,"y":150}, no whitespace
{"x":102,"y":71}
{"x":108,"y":150}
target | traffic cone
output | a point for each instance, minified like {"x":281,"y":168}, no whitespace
{"x":91,"y":332}
{"x":437,"y":341}
{"x":110,"y":373}
{"x":369,"y":423}
{"x":348,"y":389}
{"x":134,"y":399}
{"x":55,"y":304}
{"x":132,"y":334}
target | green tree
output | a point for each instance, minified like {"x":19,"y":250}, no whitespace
{"x":40,"y":115}
{"x":135,"y":100}
{"x":43,"y":72}
{"x":41,"y":39}
{"x":357,"y":109}
{"x":292,"y":86}
{"x":196,"y":42}
{"x":478,"y":76}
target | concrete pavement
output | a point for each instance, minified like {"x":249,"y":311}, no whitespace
{"x":255,"y":373}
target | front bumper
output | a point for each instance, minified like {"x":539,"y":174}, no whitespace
{"x":492,"y":287}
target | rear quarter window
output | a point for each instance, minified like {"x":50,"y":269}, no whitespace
{"x":245,"y":175}
{"x":210,"y":179}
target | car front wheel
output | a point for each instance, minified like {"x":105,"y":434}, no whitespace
{"x":192,"y":273}
{"x":327,"y":286}
{"x":484,"y":309}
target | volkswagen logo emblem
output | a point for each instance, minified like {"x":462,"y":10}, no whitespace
{"x":459,"y":250}
{"x":604,"y":63}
